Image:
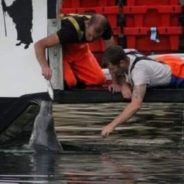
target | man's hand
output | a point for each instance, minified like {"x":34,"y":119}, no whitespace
{"x":126,"y":91}
{"x":47,"y":72}
{"x":114,"y":88}
{"x":107,"y":130}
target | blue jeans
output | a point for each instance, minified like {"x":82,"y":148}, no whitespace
{"x":177,"y":82}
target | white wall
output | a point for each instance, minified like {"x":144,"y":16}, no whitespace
{"x":20,"y":72}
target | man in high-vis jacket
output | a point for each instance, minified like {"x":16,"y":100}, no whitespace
{"x":80,"y":65}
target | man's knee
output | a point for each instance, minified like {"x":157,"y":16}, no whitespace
{"x":99,"y":79}
{"x":70,"y":82}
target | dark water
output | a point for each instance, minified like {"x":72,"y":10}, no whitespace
{"x":146,"y":150}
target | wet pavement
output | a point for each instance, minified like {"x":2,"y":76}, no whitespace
{"x":146,"y":150}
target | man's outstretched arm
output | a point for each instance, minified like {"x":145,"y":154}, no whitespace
{"x":40,"y":50}
{"x":135,"y":104}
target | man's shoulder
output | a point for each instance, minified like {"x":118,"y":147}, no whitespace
{"x":72,"y":28}
{"x":77,"y":17}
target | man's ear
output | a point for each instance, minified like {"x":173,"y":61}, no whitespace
{"x":122,"y":62}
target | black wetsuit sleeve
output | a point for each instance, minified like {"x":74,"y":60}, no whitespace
{"x":108,"y":33}
{"x":67,"y":33}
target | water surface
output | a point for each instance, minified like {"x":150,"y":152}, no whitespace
{"x":146,"y":150}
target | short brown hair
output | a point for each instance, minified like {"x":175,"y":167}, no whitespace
{"x":113,"y":55}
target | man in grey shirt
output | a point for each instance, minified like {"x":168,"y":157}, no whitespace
{"x":133,"y":73}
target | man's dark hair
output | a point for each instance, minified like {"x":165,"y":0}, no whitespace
{"x":113,"y":55}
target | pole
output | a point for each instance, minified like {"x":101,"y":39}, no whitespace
{"x":5,"y":30}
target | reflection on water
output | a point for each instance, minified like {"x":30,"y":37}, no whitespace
{"x":148,"y":149}
{"x":113,"y":167}
{"x":154,"y":124}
